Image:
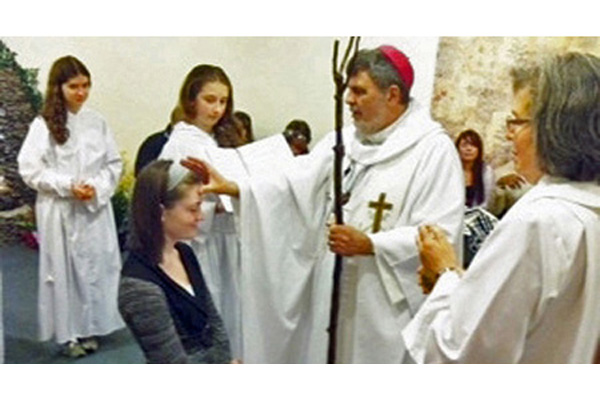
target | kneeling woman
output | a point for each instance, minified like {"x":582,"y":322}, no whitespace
{"x":162,"y":294}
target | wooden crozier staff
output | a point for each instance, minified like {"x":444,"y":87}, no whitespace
{"x":340,"y":85}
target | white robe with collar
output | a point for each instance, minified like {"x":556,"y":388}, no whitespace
{"x":287,"y":272}
{"x":79,"y":252}
{"x":532,"y":292}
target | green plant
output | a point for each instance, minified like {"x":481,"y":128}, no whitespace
{"x":27,"y":76}
{"x":120,"y":202}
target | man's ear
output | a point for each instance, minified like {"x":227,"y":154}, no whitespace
{"x":394,"y":94}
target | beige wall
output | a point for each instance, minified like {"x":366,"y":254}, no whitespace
{"x":275,"y":79}
{"x":473,"y":86}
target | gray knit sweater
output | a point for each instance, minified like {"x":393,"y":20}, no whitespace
{"x":170,"y":325}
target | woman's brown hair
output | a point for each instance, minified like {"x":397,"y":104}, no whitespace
{"x":224,"y":131}
{"x":149,"y":194}
{"x":478,"y":192}
{"x":54,"y":111}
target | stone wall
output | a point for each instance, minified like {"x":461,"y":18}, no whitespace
{"x":16,"y":113}
{"x":19,"y":104}
{"x":472,"y":86}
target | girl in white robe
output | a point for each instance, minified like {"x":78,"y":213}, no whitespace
{"x":206,"y":99}
{"x":71,"y":159}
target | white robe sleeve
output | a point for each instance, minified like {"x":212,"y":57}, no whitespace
{"x":33,"y":166}
{"x":107,"y":179}
{"x":436,"y":196}
{"x":282,"y":233}
{"x":485,"y":316}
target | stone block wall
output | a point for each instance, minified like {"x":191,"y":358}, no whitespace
{"x":19,"y":104}
{"x":472,"y":88}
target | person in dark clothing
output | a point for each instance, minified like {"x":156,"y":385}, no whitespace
{"x":243,"y":123}
{"x":152,"y":146}
{"x":163,"y":296}
{"x":297,"y":134}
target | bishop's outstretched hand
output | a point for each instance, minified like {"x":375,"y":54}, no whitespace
{"x":213,"y":181}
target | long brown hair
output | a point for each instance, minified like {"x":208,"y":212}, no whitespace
{"x":478,"y":191}
{"x":149,"y":194}
{"x":54,"y":111}
{"x":224,"y":131}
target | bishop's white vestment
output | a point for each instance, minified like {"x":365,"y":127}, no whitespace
{"x":80,"y":260}
{"x":287,"y":266}
{"x":532,"y":292}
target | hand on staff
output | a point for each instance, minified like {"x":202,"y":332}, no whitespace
{"x":437,"y":255}
{"x":213,"y":181}
{"x":83,"y":192}
{"x":346,"y":240}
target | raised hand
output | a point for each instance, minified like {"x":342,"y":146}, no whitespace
{"x":437,"y":255}
{"x":213,"y":181}
{"x":427,"y":279}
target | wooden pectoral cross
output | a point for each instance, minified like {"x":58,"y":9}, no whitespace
{"x":379,"y":206}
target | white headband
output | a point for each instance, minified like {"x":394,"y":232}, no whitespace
{"x":176,"y":174}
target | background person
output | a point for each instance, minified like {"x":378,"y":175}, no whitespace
{"x":479,"y":184}
{"x":479,"y":176}
{"x":153,"y":144}
{"x":298,"y":136}
{"x":243,"y":123}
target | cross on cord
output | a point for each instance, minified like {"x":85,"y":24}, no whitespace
{"x":379,"y":206}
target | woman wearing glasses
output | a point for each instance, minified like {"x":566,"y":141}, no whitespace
{"x":532,"y":293}
{"x":298,"y":136}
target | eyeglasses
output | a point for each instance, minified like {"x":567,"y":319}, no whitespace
{"x":512,"y":124}
{"x":291,"y":134}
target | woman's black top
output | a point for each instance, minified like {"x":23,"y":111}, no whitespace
{"x":170,"y":324}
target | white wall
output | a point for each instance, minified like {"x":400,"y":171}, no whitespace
{"x":136,"y":80}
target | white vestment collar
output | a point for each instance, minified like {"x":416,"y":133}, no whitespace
{"x":72,"y":115}
{"x":185,"y":128}
{"x":586,"y":194}
{"x":406,"y":131}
